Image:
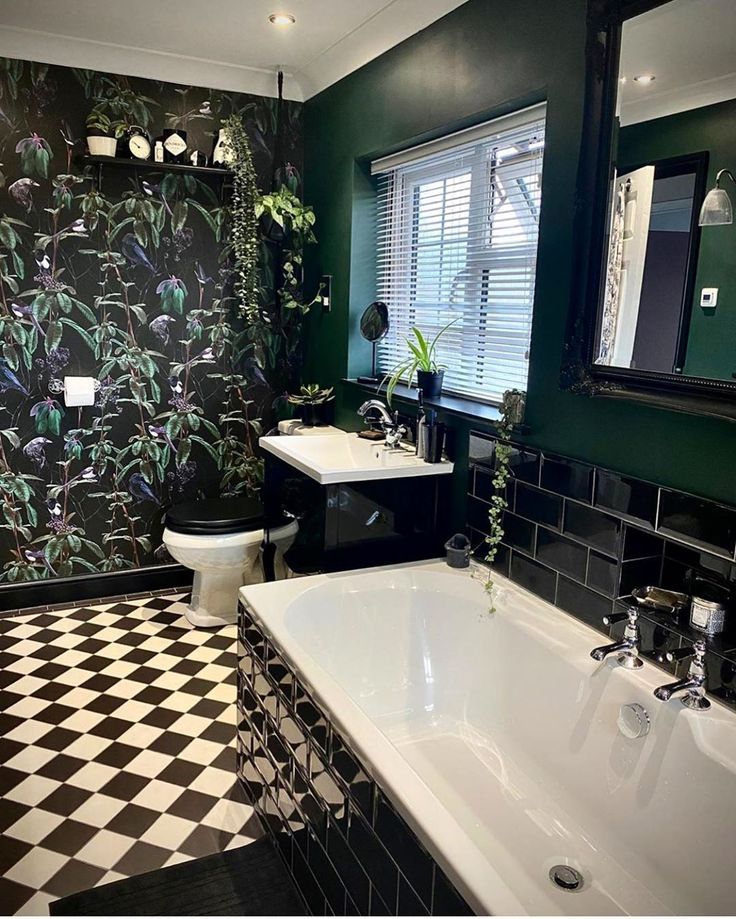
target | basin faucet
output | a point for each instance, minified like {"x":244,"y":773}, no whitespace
{"x":393,"y":431}
{"x":694,"y":683}
{"x":628,"y":648}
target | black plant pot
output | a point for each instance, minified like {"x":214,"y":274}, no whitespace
{"x":314,"y":416}
{"x":430,"y":382}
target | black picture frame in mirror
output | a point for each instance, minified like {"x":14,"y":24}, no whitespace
{"x":579,"y":373}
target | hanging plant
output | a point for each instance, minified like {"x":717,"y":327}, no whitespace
{"x":512,"y":413}
{"x":244,"y":227}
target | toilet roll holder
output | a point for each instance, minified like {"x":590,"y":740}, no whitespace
{"x":56,"y":386}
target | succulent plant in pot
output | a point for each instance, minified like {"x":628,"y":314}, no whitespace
{"x":422,"y":361}
{"x":312,"y":402}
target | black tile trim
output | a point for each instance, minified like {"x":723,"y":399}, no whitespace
{"x":85,"y":588}
{"x":344,"y":844}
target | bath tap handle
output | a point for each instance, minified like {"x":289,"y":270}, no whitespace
{"x":696,"y":651}
{"x":631,"y":614}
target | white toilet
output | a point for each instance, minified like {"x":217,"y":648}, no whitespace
{"x":220,"y":540}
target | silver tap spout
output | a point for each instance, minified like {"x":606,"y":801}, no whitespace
{"x":600,"y":654}
{"x":666,"y":692}
{"x":390,"y":426}
{"x":694,"y":684}
{"x":628,"y":648}
{"x":375,"y":405}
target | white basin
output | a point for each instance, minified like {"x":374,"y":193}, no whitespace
{"x":333,"y":458}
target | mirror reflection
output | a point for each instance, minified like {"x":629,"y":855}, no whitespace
{"x":668,"y":302}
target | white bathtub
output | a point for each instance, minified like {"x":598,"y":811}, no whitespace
{"x":496,"y":737}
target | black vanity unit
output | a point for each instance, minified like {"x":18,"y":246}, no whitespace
{"x":356,"y":524}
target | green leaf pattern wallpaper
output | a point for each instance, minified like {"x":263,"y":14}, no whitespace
{"x":129,"y":283}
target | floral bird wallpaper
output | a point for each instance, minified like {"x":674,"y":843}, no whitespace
{"x":122,"y":275}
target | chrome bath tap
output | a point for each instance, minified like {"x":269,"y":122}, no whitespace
{"x":393,"y":431}
{"x":628,"y":648}
{"x":694,"y":683}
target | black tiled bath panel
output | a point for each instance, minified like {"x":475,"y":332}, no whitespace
{"x":618,"y":533}
{"x":345,"y":846}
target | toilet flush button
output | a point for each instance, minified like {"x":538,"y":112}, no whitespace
{"x":633,"y":721}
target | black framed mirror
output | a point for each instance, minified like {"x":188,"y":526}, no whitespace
{"x":653,"y":317}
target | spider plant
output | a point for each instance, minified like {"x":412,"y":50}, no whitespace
{"x":421,"y":359}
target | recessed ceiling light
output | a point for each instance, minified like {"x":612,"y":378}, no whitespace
{"x":644,"y":78}
{"x":282,"y":19}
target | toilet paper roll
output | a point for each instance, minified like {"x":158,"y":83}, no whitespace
{"x":79,"y":390}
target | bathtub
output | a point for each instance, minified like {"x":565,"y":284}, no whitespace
{"x":496,"y":738}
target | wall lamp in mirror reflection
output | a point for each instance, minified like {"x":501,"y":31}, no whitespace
{"x":717,"y":210}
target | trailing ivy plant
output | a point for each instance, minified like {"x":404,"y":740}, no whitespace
{"x":244,"y":223}
{"x":512,"y":413}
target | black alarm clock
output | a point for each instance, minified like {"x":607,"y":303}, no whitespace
{"x":138,"y":144}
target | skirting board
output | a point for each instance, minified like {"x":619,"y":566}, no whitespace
{"x":56,"y":591}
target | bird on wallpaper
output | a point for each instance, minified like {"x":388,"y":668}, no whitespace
{"x":54,"y":507}
{"x":135,"y":253}
{"x":38,"y":555}
{"x":159,"y":431}
{"x":139,"y":489}
{"x":23,"y":311}
{"x":8,"y":380}
{"x":34,"y":450}
{"x":22,"y":193}
{"x":42,"y":260}
{"x":254,"y":373}
{"x":160,"y":327}
{"x":177,"y":387}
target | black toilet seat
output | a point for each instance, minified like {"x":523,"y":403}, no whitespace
{"x":216,"y":516}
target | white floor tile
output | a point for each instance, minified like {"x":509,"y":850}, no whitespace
{"x":148,"y":763}
{"x":158,"y":795}
{"x":168,"y":831}
{"x":38,"y":905}
{"x":88,"y":746}
{"x":98,"y":810}
{"x":34,"y":826}
{"x":30,"y":759}
{"x":36,"y":868}
{"x":32,"y":791}
{"x":201,"y":751}
{"x":93,"y":776}
{"x":140,"y":735}
{"x":29,"y":731}
{"x":105,"y":849}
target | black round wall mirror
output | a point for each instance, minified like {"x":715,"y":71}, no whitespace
{"x":374,"y":326}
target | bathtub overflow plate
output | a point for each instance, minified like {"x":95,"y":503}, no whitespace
{"x":565,"y":877}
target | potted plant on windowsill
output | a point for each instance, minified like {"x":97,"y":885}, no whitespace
{"x":102,"y":138}
{"x":422,"y":361}
{"x":312,"y":402}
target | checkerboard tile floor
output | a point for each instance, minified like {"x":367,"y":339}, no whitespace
{"x":117,"y":748}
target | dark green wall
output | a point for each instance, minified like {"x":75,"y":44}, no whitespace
{"x":480,"y":60}
{"x":712,"y":340}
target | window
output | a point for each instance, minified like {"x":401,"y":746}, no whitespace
{"x":457,"y":229}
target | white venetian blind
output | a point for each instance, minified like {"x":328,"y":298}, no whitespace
{"x":457,"y":230}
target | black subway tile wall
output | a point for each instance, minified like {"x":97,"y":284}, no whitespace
{"x":347,"y":849}
{"x":583,"y":537}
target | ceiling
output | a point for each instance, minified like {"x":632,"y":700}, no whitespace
{"x":689,"y":46}
{"x":223,"y":44}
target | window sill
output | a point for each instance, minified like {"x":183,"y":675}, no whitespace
{"x":451,"y":404}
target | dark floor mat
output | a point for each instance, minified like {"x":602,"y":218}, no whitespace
{"x":248,"y":881}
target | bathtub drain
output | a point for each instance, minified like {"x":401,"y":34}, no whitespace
{"x":565,"y":877}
